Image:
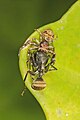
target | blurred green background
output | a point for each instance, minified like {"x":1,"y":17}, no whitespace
{"x":18,"y":19}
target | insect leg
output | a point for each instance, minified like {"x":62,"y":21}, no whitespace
{"x":23,"y":91}
{"x":53,"y":68}
{"x":50,"y":69}
{"x":31,"y":73}
{"x":51,"y":64}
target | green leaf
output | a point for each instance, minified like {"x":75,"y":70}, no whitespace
{"x":60,"y":100}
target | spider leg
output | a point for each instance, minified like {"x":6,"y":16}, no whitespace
{"x":29,"y":42}
{"x":38,"y":31}
{"x":24,"y":45}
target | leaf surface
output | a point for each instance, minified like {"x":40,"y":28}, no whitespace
{"x":60,"y":100}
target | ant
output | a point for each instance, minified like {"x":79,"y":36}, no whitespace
{"x":41,"y":58}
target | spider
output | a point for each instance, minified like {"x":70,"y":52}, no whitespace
{"x":41,"y":58}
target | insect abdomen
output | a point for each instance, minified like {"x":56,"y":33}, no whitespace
{"x":38,"y":84}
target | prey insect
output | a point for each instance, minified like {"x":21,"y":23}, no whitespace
{"x":41,"y":58}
